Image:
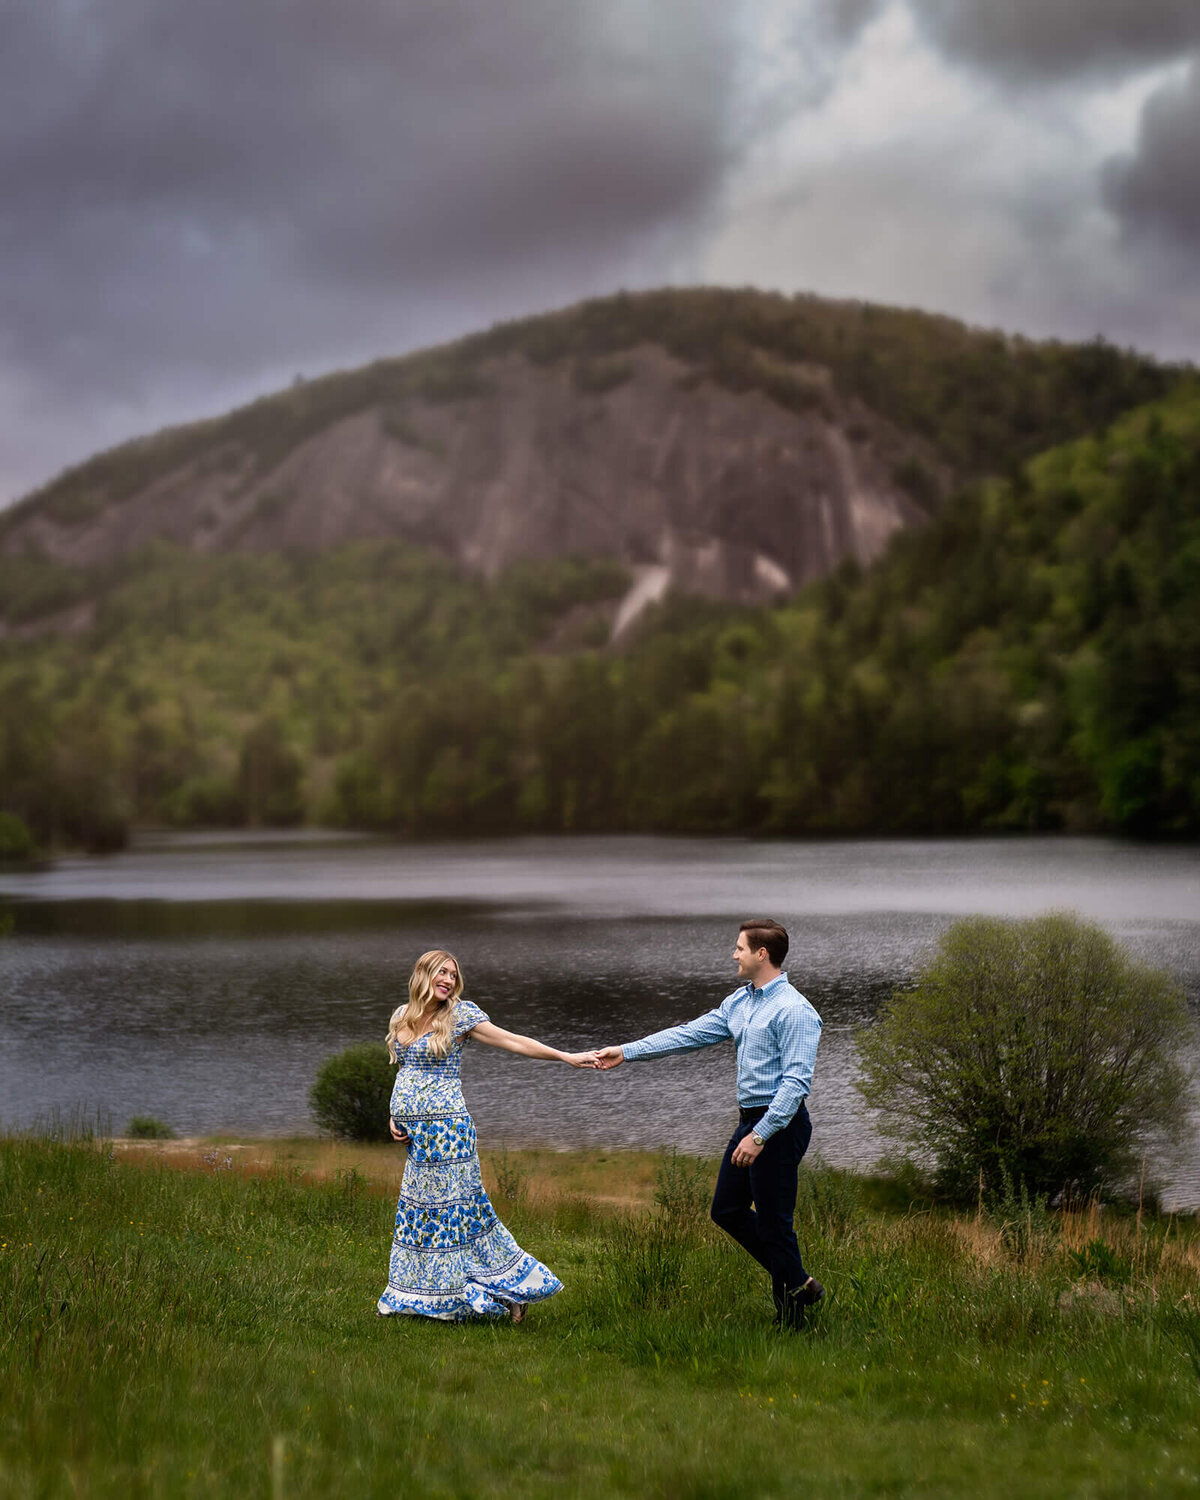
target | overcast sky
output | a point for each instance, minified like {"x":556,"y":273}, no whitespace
{"x":200,"y":199}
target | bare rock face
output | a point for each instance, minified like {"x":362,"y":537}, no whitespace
{"x":691,"y":484}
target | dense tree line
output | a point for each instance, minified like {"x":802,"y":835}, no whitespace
{"x":1029,"y":660}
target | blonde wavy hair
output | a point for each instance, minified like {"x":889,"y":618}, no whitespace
{"x":412,"y":1018}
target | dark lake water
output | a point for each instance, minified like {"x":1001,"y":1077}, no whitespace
{"x":204,"y":979}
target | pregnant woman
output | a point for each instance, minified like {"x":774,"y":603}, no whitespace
{"x":451,"y":1256}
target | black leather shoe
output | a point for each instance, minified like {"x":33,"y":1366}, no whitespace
{"x":791,"y":1315}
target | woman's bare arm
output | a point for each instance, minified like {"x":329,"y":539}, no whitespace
{"x":527,"y":1046}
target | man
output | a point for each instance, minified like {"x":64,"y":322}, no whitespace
{"x":776,"y":1032}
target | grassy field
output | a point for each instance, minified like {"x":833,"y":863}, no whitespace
{"x":199,"y":1320}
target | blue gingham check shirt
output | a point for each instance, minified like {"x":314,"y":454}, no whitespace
{"x":776,"y":1032}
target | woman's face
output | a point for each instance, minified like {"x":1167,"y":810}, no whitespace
{"x":445,"y":981}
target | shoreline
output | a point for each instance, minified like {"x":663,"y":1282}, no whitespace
{"x":615,"y":1178}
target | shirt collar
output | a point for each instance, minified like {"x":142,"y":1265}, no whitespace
{"x":780,"y":978}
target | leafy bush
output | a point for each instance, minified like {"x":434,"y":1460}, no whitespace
{"x":352,"y":1091}
{"x":1035,"y":1054}
{"x":147,"y":1128}
{"x":16,"y":841}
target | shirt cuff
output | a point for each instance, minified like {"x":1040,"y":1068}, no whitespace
{"x":633,"y":1050}
{"x":768,"y":1126}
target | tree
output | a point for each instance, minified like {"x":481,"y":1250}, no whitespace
{"x":270,"y":777}
{"x":1036,"y":1051}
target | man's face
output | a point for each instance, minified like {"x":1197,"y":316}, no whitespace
{"x":749,"y":964}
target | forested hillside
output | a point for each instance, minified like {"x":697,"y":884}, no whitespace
{"x":1030,"y":659}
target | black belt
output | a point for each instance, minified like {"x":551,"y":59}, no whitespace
{"x":752,"y":1116}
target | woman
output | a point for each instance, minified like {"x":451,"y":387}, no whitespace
{"x":451,"y":1256}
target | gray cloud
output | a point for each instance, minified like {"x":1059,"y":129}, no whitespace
{"x":1155,"y":192}
{"x":201,"y":198}
{"x":206,"y":191}
{"x":1037,"y":41}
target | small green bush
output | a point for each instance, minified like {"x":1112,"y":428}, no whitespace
{"x":147,"y":1128}
{"x":352,"y":1091}
{"x":16,"y":841}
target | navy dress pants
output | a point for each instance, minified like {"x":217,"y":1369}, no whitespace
{"x":756,"y":1206}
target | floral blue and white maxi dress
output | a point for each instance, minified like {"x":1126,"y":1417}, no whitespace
{"x":451,"y":1256}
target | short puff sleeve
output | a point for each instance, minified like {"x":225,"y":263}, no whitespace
{"x":466,"y":1016}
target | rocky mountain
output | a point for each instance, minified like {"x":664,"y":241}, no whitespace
{"x":733,"y":444}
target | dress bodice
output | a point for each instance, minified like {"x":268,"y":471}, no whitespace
{"x":427,"y":1084}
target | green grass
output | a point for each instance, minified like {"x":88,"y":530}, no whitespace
{"x":211,"y":1331}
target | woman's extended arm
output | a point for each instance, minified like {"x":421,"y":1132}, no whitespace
{"x":526,"y":1046}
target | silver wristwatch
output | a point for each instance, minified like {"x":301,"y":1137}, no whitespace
{"x":756,"y":1138}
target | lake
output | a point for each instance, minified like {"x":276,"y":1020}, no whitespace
{"x":204,"y":978}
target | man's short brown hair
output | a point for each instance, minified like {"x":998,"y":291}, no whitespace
{"x":762,"y":932}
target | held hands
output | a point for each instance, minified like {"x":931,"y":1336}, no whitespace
{"x":600,"y":1058}
{"x":582,"y":1059}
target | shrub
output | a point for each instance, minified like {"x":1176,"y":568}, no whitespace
{"x":16,"y":841}
{"x":1035,"y":1053}
{"x":147,"y":1128}
{"x":352,"y":1092}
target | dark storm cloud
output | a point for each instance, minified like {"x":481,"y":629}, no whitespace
{"x":1039,"y":40}
{"x":1155,"y":192}
{"x":225,"y":185}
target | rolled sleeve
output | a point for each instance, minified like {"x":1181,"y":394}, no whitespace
{"x":705,"y":1031}
{"x":797,"y":1033}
